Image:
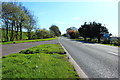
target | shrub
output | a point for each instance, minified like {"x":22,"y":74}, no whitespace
{"x":106,"y":41}
{"x":37,"y":51}
{"x":27,"y":52}
{"x":13,"y":42}
{"x":118,"y":42}
{"x":30,"y":51}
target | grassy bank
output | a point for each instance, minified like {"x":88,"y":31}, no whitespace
{"x":23,"y":41}
{"x":43,"y":61}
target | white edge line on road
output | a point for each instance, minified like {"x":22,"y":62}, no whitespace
{"x":113,"y":53}
{"x":77,"y":68}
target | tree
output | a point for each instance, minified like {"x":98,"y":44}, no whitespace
{"x":43,"y":33}
{"x":65,"y":35}
{"x":92,"y":30}
{"x":28,"y":21}
{"x":72,"y":32}
{"x":6,"y":14}
{"x":10,"y":17}
{"x":31,"y":25}
{"x":15,"y":18}
{"x":76,"y":34}
{"x":56,"y":30}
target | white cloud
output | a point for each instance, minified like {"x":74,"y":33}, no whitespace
{"x":76,"y":18}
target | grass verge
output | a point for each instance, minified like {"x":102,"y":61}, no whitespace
{"x":23,"y":41}
{"x":110,"y":45}
{"x":94,"y":41}
{"x":43,"y":61}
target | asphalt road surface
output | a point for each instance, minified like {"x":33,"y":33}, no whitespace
{"x":96,"y":60}
{"x":14,"y":48}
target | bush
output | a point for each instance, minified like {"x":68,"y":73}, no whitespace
{"x":115,"y":43}
{"x":56,"y":52}
{"x":13,"y":42}
{"x":27,"y":52}
{"x":106,"y":41}
{"x":118,"y":42}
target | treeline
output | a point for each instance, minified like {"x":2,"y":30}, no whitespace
{"x":93,"y":30}
{"x":90,"y":30}
{"x":16,"y":18}
{"x":43,"y":33}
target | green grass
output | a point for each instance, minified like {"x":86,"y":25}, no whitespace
{"x":92,"y":41}
{"x":95,"y":41}
{"x":110,"y":45}
{"x":23,"y":41}
{"x":46,"y":61}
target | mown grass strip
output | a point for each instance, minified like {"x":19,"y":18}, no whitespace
{"x":23,"y":41}
{"x":43,"y":61}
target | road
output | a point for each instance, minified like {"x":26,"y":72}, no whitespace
{"x":14,"y":48}
{"x":96,"y":60}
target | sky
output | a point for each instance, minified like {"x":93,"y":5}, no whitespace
{"x":69,"y":14}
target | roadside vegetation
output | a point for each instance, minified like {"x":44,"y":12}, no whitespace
{"x":19,"y":23}
{"x":43,"y":61}
{"x":111,"y":43}
{"x":23,"y":41}
{"x":92,"y":33}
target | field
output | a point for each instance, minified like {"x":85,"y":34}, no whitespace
{"x":43,"y":61}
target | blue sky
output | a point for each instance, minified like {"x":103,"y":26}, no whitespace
{"x":67,"y":14}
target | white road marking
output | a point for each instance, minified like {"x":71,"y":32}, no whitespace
{"x":113,"y":53}
{"x":77,"y":68}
